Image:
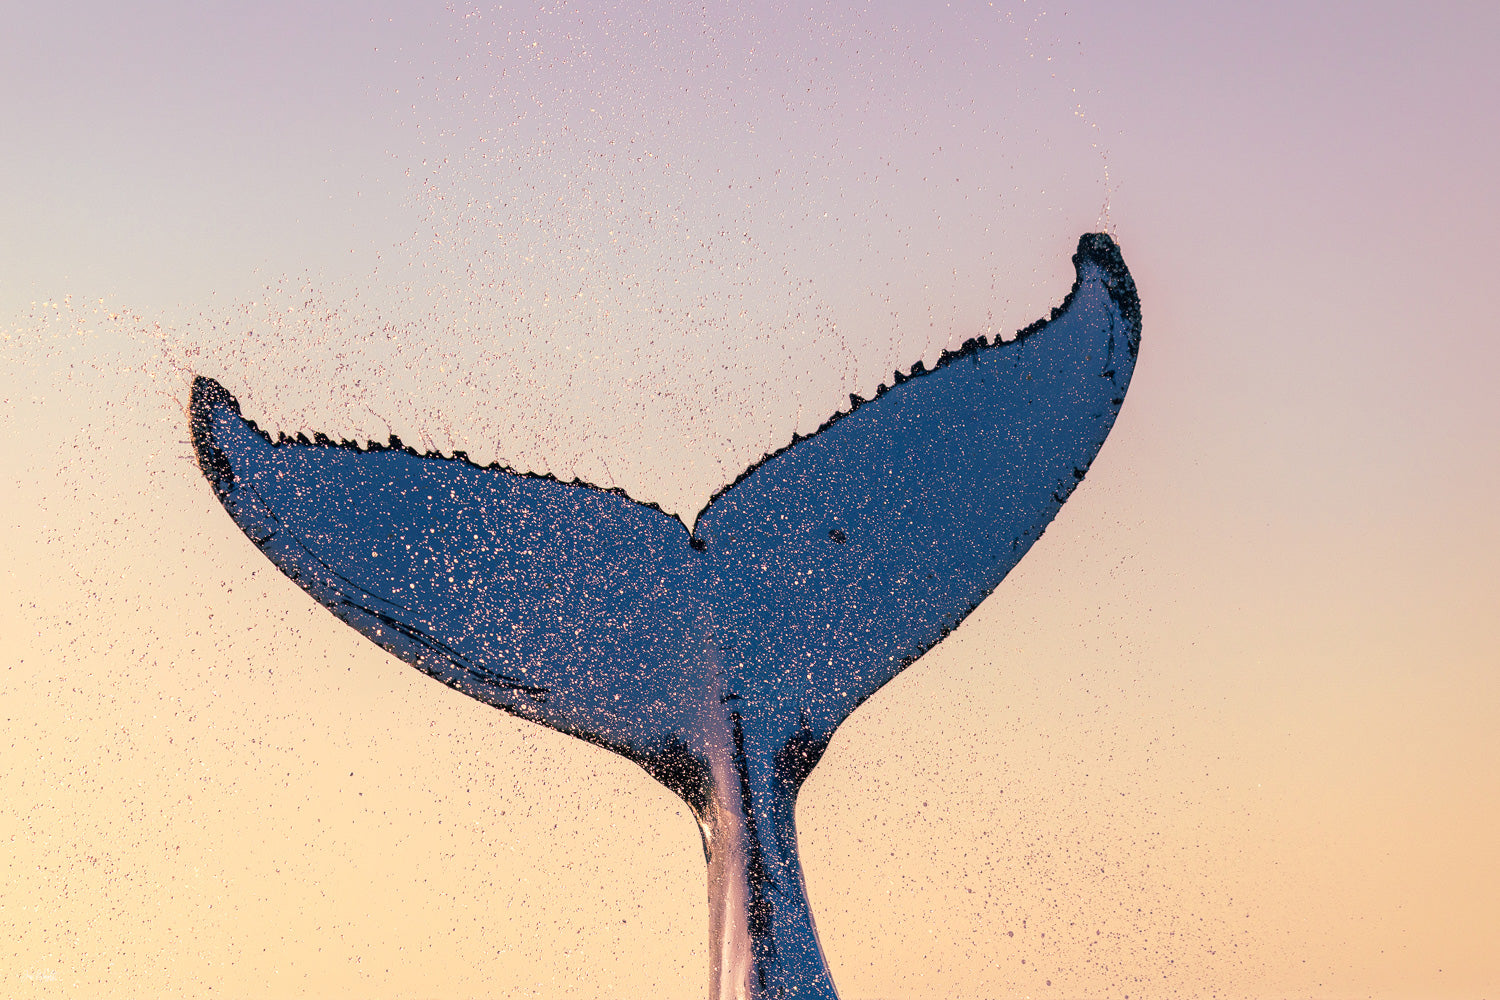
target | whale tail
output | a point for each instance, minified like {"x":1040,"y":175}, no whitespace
{"x":723,"y":660}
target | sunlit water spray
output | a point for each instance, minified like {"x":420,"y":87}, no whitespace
{"x":647,"y":267}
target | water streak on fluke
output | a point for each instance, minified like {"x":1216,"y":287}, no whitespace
{"x":723,"y":660}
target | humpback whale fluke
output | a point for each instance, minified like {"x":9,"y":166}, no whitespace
{"x":720,"y":660}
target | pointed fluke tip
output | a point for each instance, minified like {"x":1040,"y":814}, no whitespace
{"x":208,"y":394}
{"x":1103,"y":252}
{"x":208,"y":397}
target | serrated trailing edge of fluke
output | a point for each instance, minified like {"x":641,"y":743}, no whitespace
{"x":1099,"y":249}
{"x":207,"y":394}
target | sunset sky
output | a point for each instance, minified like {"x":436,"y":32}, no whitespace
{"x":1228,"y":729}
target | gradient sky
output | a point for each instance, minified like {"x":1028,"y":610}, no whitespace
{"x":1228,"y":728}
